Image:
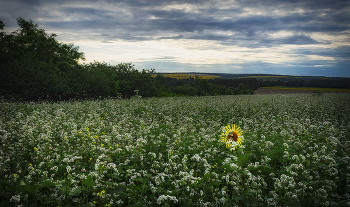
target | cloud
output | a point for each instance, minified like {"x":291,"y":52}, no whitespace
{"x":242,"y":35}
{"x":294,"y":40}
{"x":172,"y":37}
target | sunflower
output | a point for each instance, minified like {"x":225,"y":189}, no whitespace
{"x":232,"y":137}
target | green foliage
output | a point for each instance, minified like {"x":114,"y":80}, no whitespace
{"x":251,"y":83}
{"x":2,"y":25}
{"x":34,"y":66}
{"x":95,"y":80}
{"x":31,"y":42}
{"x":200,"y":87}
{"x":130,"y":79}
{"x":308,"y":81}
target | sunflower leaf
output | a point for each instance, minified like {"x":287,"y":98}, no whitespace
{"x":243,"y":158}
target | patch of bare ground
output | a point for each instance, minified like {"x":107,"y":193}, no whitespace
{"x":264,"y":91}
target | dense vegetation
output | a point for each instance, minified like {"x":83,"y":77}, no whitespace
{"x":201,"y":87}
{"x":168,"y":152}
{"x":34,"y":66}
{"x":315,"y":82}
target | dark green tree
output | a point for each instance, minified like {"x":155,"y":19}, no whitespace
{"x":96,"y":80}
{"x":130,"y":79}
{"x":160,"y":84}
{"x":31,"y":41}
{"x":241,"y":89}
{"x":201,"y":85}
{"x":34,"y":65}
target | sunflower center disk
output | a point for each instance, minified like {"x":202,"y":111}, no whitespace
{"x":233,"y":136}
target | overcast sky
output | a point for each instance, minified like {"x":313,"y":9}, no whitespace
{"x":288,"y":37}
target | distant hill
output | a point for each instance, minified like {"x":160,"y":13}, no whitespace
{"x":264,"y":77}
{"x":267,"y":80}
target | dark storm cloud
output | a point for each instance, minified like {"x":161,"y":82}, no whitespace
{"x":249,"y":26}
{"x":153,"y":3}
{"x":150,"y":15}
{"x":341,"y":53}
{"x":179,"y":21}
{"x":84,"y":11}
{"x":297,"y":39}
{"x":262,"y":41}
{"x":316,"y":22}
{"x":307,"y":4}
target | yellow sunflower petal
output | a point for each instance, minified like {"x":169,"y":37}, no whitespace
{"x":229,"y":129}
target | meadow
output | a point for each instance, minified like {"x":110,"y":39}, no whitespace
{"x":169,"y":152}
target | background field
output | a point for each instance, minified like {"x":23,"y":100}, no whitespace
{"x":167,"y":152}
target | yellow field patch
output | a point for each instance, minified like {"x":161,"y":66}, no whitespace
{"x":187,"y":76}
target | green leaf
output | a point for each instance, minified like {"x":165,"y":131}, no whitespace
{"x":140,"y":179}
{"x":25,"y":188}
{"x":22,"y":187}
{"x":114,"y":175}
{"x":46,"y":184}
{"x":89,"y":182}
{"x":118,"y":189}
{"x":238,"y":198}
{"x":65,"y":189}
{"x":75,"y":192}
{"x":243,"y":158}
{"x":49,"y":164}
{"x":22,"y":182}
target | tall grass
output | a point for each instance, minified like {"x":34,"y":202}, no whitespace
{"x":167,"y":152}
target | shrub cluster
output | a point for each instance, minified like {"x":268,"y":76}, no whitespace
{"x":202,"y":87}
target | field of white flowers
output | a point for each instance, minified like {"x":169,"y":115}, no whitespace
{"x":168,"y":152}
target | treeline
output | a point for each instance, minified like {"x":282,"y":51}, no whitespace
{"x":319,"y":83}
{"x":35,"y":66}
{"x":204,"y":87}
